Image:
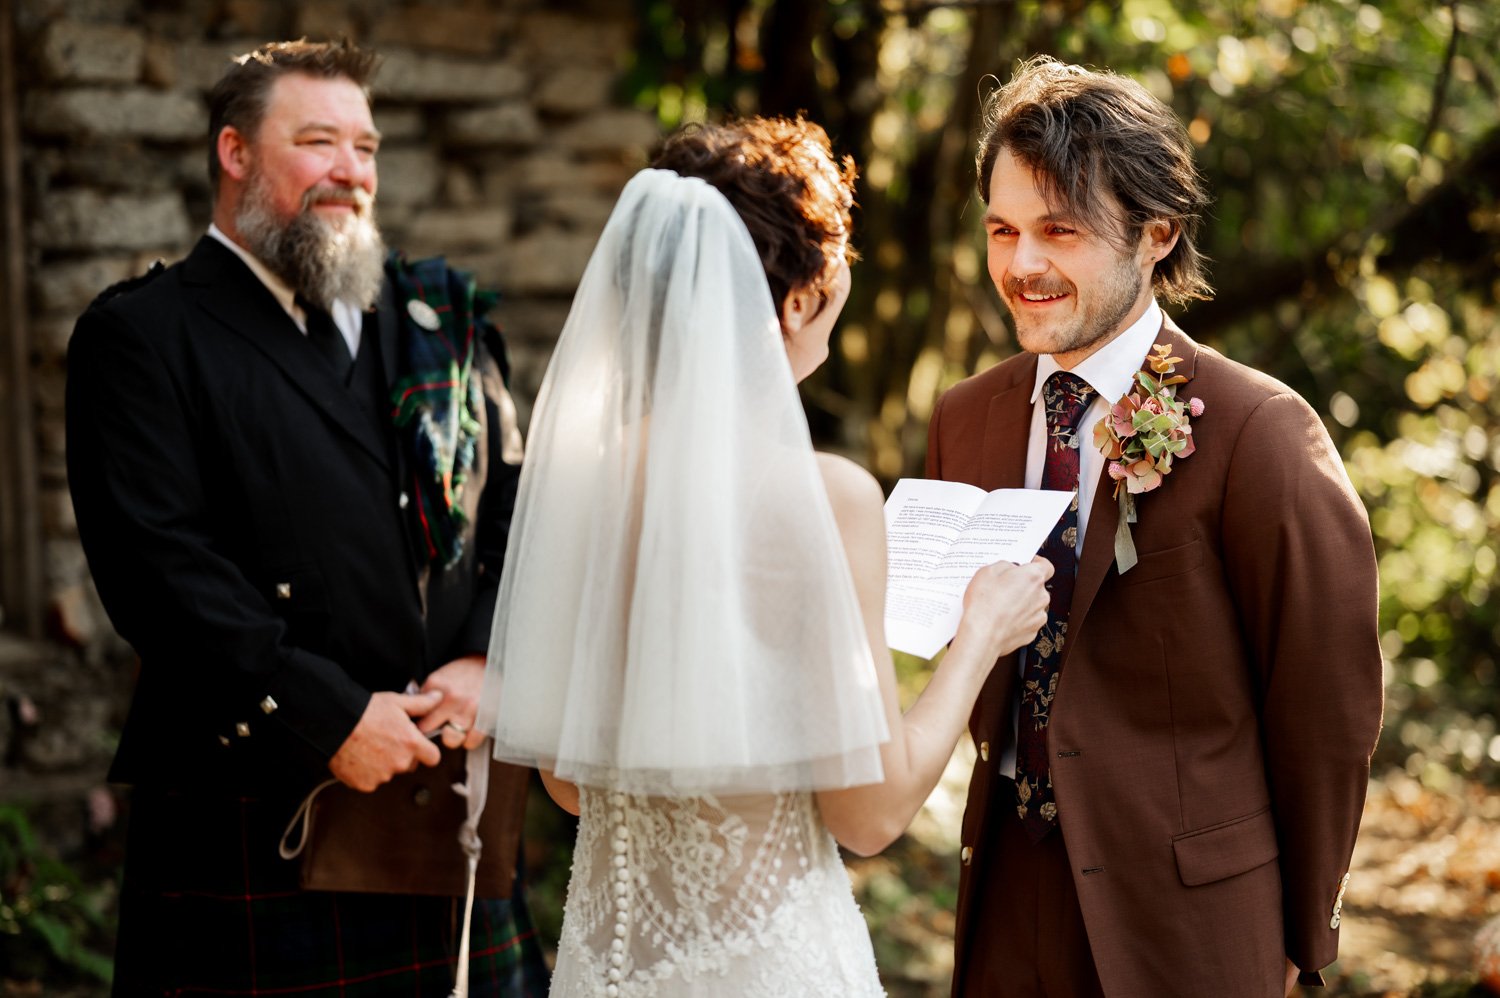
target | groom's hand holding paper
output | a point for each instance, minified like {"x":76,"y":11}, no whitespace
{"x":938,"y":534}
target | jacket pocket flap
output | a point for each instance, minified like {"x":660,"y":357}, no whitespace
{"x":1226,"y":850}
{"x":1165,"y":564}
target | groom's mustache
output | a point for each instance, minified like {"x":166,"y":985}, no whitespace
{"x":1015,"y":286}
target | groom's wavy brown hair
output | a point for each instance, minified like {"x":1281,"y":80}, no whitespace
{"x":1091,"y":135}
{"x":792,"y":193}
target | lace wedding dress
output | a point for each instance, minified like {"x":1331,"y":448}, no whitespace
{"x":739,"y":897}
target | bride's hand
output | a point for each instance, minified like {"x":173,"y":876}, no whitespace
{"x":453,"y":719}
{"x":1005,"y":605}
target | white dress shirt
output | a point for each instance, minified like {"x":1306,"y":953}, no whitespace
{"x":347,"y":318}
{"x":1109,"y":371}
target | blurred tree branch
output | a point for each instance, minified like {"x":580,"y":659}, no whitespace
{"x":1440,"y":88}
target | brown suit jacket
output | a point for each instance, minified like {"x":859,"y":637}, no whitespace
{"x":1218,"y":704}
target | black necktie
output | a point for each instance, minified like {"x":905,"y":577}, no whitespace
{"x":327,"y":339}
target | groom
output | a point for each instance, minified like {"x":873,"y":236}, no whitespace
{"x":1170,"y":778}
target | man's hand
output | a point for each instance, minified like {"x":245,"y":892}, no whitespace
{"x":459,"y":682}
{"x":386,"y":742}
{"x":1291,"y":977}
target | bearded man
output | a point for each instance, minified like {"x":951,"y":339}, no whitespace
{"x":1170,"y":777}
{"x":293,"y":478}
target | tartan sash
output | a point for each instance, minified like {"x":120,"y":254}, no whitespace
{"x":437,"y":400}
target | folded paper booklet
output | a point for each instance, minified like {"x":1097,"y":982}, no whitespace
{"x":938,"y":534}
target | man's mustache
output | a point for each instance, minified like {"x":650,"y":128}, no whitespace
{"x":1015,"y":286}
{"x":357,"y":197}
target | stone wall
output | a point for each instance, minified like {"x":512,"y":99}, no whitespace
{"x":505,"y":144}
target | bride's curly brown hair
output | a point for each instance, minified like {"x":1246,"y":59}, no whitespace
{"x":792,"y":193}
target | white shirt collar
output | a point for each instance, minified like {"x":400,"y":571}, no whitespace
{"x":1109,"y":369}
{"x":283,"y":292}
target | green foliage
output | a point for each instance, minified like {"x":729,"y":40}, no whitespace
{"x":51,"y":927}
{"x":1427,"y":467}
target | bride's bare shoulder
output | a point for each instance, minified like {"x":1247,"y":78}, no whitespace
{"x":859,"y":510}
{"x":853,"y":492}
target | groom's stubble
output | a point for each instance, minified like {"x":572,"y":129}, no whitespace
{"x":1107,"y":303}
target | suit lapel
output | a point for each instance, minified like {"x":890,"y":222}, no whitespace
{"x":1104,"y":516}
{"x":237,"y":300}
{"x":1002,"y":462}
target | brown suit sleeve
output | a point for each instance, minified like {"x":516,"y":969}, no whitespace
{"x":1299,"y":558}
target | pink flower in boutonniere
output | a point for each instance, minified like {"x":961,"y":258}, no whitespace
{"x":1121,"y":420}
{"x":1143,"y":434}
{"x":1149,"y":427}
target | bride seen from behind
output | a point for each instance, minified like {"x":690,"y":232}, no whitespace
{"x":689,"y":635}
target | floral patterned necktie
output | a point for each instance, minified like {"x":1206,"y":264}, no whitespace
{"x":1065,"y":397}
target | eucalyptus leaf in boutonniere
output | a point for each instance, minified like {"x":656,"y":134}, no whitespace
{"x":1141,"y":436}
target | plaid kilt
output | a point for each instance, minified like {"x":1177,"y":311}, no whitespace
{"x":209,"y":907}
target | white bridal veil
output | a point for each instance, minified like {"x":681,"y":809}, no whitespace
{"x":676,"y":614}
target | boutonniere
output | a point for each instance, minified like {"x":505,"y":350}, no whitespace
{"x":1141,"y":436}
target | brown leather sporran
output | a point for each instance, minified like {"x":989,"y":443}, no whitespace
{"x":403,"y":837}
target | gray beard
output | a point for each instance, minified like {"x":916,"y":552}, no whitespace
{"x":320,"y":262}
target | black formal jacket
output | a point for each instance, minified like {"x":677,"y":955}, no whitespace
{"x":250,"y":526}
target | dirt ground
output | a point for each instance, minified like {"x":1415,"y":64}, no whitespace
{"x":1425,"y":877}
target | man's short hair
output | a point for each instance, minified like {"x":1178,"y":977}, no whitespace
{"x":1087,"y":135}
{"x":240,"y":97}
